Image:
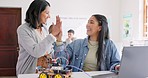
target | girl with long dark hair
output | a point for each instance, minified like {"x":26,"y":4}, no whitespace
{"x":94,"y":53}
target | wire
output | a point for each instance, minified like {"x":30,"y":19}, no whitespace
{"x":56,"y":52}
{"x":63,"y":58}
{"x":72,"y":66}
{"x":59,"y":50}
{"x":58,"y":58}
{"x":78,"y":69}
{"x":67,"y":54}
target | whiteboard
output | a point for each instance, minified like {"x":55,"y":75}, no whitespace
{"x":77,"y":23}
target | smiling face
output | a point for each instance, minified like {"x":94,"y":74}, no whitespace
{"x":45,"y":15}
{"x":93,"y":27}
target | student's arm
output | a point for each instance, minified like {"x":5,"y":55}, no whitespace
{"x":62,"y":51}
{"x":115,"y":58}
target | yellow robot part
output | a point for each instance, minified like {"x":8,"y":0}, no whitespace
{"x":58,"y":76}
{"x":43,"y":75}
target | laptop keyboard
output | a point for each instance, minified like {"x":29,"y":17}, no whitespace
{"x":111,"y":75}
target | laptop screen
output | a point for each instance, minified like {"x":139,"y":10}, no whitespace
{"x":134,"y":62}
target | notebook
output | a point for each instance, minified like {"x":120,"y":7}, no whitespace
{"x":134,"y":63}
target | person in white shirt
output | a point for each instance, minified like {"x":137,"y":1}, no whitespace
{"x":71,"y":37}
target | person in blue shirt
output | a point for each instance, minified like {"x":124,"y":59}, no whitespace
{"x":97,"y":52}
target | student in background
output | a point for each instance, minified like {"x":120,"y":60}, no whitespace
{"x":97,"y":52}
{"x":71,"y":37}
{"x":33,"y":38}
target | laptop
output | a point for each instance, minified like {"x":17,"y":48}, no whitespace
{"x":134,"y":63}
{"x":108,"y":75}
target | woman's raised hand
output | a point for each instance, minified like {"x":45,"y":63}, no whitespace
{"x":57,"y":28}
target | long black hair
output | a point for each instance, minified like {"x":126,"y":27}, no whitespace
{"x":34,"y":11}
{"x":102,"y":36}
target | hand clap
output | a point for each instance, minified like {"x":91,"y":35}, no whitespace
{"x":57,"y":28}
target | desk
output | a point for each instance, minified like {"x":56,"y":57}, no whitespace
{"x":74,"y":74}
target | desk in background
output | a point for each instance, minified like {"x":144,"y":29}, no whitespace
{"x":74,"y":74}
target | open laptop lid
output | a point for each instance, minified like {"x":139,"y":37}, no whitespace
{"x":134,"y":62}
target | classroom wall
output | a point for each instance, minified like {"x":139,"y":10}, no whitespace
{"x":115,"y":10}
{"x":84,"y":8}
{"x":133,"y":10}
{"x":130,"y":10}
